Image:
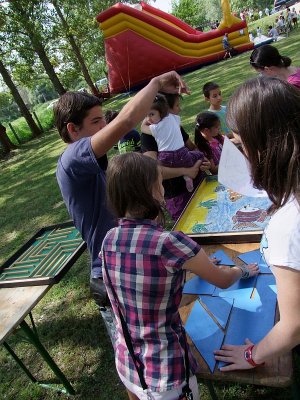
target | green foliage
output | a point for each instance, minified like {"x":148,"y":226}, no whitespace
{"x":67,"y":319}
{"x":189,"y":11}
{"x":238,"y":5}
{"x":8,"y":108}
{"x":44,"y":113}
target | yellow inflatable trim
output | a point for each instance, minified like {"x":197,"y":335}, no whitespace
{"x":122,"y":22}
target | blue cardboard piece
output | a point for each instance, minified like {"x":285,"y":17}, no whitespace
{"x":241,"y":288}
{"x":255,"y":256}
{"x":252,"y":318}
{"x":205,"y":333}
{"x":220,"y":308}
{"x":223,"y":257}
{"x":198,"y":286}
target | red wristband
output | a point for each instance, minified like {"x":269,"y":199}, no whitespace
{"x":248,"y":356}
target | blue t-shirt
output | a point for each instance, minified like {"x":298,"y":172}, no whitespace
{"x":82,"y":182}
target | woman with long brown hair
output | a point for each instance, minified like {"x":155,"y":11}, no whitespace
{"x":265,"y":114}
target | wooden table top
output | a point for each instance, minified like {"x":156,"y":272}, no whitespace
{"x":15,"y":304}
{"x":277,"y":372}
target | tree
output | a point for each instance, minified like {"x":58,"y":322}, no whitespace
{"x":189,"y":11}
{"x":7,"y":145}
{"x":25,"y":26}
{"x":75,"y":48}
{"x":18,"y":99}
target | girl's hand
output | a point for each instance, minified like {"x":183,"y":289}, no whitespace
{"x":205,"y":165}
{"x":233,"y":355}
{"x":248,"y":270}
{"x":215,"y":260}
{"x":171,"y":82}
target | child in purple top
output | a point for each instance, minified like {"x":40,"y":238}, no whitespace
{"x":165,"y":128}
{"x":208,"y":138}
{"x":146,"y":266}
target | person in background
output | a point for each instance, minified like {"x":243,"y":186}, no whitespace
{"x":226,"y":46}
{"x":294,"y":17}
{"x":208,"y":138}
{"x":265,"y":113}
{"x":212,"y":94}
{"x":273,"y":33}
{"x":152,"y":262}
{"x":258,"y":31}
{"x":129,"y":142}
{"x":267,"y":60}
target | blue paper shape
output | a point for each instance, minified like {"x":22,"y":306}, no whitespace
{"x":255,"y":256}
{"x":252,"y":318}
{"x":198,"y":286}
{"x":241,"y":288}
{"x":223,"y":257}
{"x":204,"y":332}
{"x":219,"y":307}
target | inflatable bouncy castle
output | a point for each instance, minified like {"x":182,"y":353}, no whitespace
{"x":143,"y":42}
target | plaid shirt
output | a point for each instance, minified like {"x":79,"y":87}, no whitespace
{"x":145,"y":267}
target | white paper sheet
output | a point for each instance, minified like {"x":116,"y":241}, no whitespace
{"x":234,"y":171}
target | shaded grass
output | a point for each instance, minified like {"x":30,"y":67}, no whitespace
{"x":67,"y":319}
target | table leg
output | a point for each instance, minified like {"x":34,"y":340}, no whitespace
{"x":46,"y":356}
{"x":18,"y":361}
{"x":211,"y":389}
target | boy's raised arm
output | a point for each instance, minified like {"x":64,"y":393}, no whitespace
{"x":135,"y":110}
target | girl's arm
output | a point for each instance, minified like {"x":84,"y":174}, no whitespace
{"x":284,"y":336}
{"x":170,"y":172}
{"x":190,"y":145}
{"x":218,"y":275}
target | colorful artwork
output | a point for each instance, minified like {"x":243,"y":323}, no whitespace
{"x":214,"y":209}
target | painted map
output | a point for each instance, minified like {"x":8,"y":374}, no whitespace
{"x":215,"y":209}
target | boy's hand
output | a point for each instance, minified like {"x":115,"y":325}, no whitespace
{"x":171,"y":82}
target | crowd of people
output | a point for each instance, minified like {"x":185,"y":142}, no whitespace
{"x":118,"y":207}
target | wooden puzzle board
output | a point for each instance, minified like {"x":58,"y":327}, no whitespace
{"x":215,"y":210}
{"x":45,"y":258}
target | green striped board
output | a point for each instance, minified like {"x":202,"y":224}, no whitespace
{"x":45,"y":258}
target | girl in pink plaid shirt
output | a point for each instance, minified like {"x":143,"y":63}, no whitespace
{"x":146,"y":266}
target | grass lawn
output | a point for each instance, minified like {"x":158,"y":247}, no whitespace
{"x":67,"y":318}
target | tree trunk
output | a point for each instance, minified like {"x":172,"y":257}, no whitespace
{"x":18,"y":99}
{"x":40,"y":50}
{"x":76,"y":50}
{"x":5,"y":141}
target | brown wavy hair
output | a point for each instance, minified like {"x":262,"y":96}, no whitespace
{"x":265,"y":113}
{"x":130,"y":180}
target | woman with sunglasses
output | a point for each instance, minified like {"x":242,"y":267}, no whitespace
{"x":267,"y":60}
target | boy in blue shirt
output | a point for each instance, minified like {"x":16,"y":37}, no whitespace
{"x":81,"y":167}
{"x":212,"y":94}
